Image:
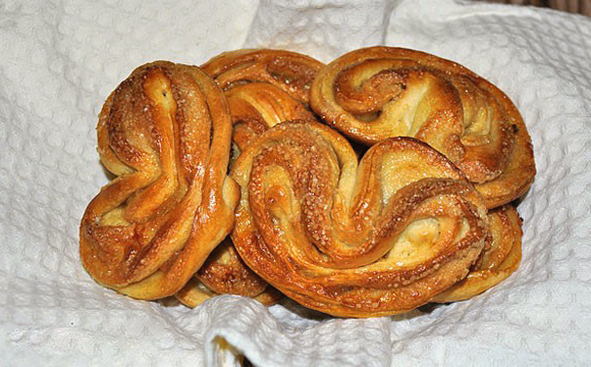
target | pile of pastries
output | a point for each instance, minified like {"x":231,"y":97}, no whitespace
{"x":369,"y":186}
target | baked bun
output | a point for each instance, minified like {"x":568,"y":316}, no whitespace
{"x":263,"y":88}
{"x":375,"y":93}
{"x":348,"y":238}
{"x":164,"y":134}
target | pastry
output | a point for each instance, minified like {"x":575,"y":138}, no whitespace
{"x":263,"y":89}
{"x":224,"y":272}
{"x":404,"y":225}
{"x":379,"y":92}
{"x":164,"y":134}
{"x":496,"y":262}
{"x":291,"y":72}
{"x":348,"y":238}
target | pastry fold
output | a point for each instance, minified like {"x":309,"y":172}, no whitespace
{"x":374,"y":237}
{"x":164,"y":134}
{"x":224,"y":272}
{"x":496,"y":262}
{"x":375,"y":93}
{"x":263,"y":88}
{"x":289,"y":71}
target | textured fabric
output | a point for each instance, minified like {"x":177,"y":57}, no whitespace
{"x":60,"y":59}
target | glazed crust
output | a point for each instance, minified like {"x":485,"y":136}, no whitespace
{"x":151,"y":228}
{"x":376,"y":237}
{"x":263,"y":88}
{"x":497,"y":261}
{"x":375,"y":93}
{"x":256,"y":107}
{"x":289,"y":71}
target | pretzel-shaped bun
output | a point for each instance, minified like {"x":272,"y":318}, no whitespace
{"x":496,"y":262}
{"x":165,"y":133}
{"x":375,"y":93}
{"x":376,"y":237}
{"x":263,"y":89}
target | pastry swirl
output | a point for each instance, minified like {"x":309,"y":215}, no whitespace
{"x":379,"y":92}
{"x":496,"y":262}
{"x":289,"y":71}
{"x":376,"y":237}
{"x":263,"y":88}
{"x":256,"y":107}
{"x":165,"y":134}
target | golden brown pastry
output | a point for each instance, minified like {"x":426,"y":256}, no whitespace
{"x":379,"y":92}
{"x":224,"y":272}
{"x":165,"y":134}
{"x":256,"y":107}
{"x":195,"y":293}
{"x":496,"y":262}
{"x":376,"y":237}
{"x":263,"y":89}
{"x":289,"y":71}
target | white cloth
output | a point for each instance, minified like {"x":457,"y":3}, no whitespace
{"x":61,"y":58}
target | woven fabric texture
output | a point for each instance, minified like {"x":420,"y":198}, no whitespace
{"x":61,"y":58}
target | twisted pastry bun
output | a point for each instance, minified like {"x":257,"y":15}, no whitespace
{"x":376,"y":237}
{"x":289,"y":71}
{"x":263,"y":89}
{"x":165,"y":133}
{"x":375,"y":93}
{"x":496,"y":262}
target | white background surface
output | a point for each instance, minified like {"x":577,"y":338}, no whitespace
{"x":59,"y":61}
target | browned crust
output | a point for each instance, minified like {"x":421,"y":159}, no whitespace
{"x":290,"y":71}
{"x":263,"y":88}
{"x":225,"y":272}
{"x":256,"y":107}
{"x":195,"y":293}
{"x":375,"y":93}
{"x":303,"y":189}
{"x":497,"y":262}
{"x":150,"y":229}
